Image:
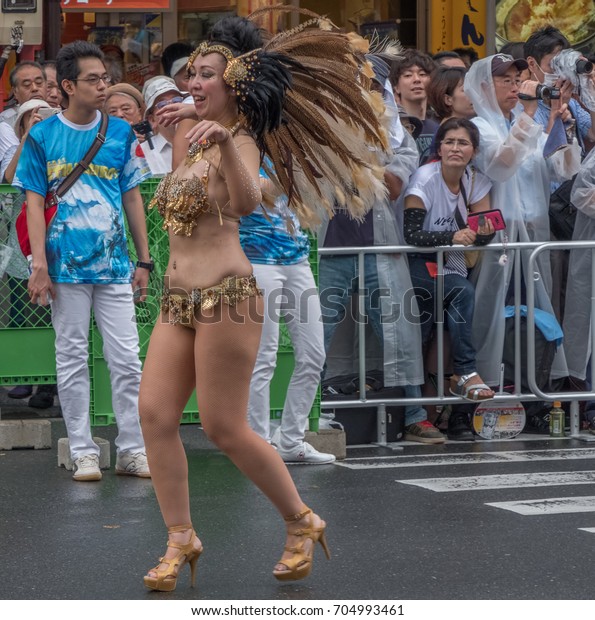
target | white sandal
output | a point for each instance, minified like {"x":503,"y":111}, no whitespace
{"x":463,"y":390}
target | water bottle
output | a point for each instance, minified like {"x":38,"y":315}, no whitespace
{"x":557,"y":420}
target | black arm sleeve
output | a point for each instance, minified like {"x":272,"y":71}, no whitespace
{"x":483,"y":239}
{"x":413,"y":222}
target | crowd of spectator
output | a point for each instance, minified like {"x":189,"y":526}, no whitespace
{"x":468,"y":135}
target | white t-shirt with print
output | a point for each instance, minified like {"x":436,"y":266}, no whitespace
{"x":429,"y":186}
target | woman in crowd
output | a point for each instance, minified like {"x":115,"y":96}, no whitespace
{"x":209,"y":330}
{"x":521,"y":160}
{"x":446,"y":94}
{"x":437,"y":200}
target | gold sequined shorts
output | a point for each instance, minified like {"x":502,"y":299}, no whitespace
{"x":181,"y":309}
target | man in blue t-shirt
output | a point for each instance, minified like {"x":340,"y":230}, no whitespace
{"x":80,"y":260}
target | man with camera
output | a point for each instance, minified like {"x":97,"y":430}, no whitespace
{"x":568,"y":75}
{"x":559,"y":75}
{"x":159,"y":92}
{"x":522,"y":161}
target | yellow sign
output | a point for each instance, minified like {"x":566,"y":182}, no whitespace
{"x":458,"y":23}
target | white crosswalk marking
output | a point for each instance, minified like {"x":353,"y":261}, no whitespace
{"x":503,"y":481}
{"x":590,"y":530}
{"x":552,"y":505}
{"x":462,"y":458}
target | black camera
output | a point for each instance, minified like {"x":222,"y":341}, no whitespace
{"x":145,"y":129}
{"x":547,"y":92}
{"x":583,"y":66}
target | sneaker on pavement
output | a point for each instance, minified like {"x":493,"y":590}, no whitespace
{"x":128,"y":464}
{"x":307,"y":454}
{"x":423,"y":432}
{"x":86,"y":468}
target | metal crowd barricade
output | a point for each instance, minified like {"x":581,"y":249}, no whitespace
{"x":441,"y":399}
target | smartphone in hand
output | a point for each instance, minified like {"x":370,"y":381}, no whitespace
{"x":475,"y":220}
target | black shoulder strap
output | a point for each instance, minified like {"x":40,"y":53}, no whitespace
{"x":73,"y":177}
{"x":458,"y":217}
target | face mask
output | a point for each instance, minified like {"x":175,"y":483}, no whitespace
{"x":549,"y":79}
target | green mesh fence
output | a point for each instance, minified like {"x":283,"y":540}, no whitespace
{"x":27,"y":353}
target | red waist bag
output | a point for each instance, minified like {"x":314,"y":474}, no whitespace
{"x":49,"y":211}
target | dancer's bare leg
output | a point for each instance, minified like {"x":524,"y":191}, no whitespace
{"x":166,"y":385}
{"x":226,"y":345}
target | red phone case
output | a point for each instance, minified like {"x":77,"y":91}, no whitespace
{"x":494,"y":215}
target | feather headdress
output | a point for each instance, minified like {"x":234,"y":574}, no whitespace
{"x":305,"y":95}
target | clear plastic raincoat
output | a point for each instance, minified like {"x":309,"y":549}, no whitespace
{"x":403,"y":363}
{"x":577,"y":321}
{"x":512,"y":156}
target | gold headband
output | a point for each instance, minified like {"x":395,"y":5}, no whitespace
{"x":237,"y":69}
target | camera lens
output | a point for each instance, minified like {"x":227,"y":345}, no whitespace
{"x":583,"y":66}
{"x":543,"y":92}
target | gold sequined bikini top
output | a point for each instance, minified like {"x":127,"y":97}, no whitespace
{"x":181,"y":202}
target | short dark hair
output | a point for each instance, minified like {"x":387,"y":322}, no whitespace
{"x":67,"y":60}
{"x":410,"y":58}
{"x":172,"y":52}
{"x":516,"y":49}
{"x":443,"y":81}
{"x":445,"y":54}
{"x":471,"y":53}
{"x":457,"y":123}
{"x":544,"y":41}
{"x":21,"y":65}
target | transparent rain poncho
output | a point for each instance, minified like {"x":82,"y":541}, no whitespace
{"x":511,"y":155}
{"x":577,"y":322}
{"x":402,"y":351}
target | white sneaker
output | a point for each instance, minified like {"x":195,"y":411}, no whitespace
{"x":128,"y":464}
{"x":307,"y":454}
{"x":276,"y":437}
{"x":87,"y":468}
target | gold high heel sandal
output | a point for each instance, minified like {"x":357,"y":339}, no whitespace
{"x":300,"y":565}
{"x":167,"y":578}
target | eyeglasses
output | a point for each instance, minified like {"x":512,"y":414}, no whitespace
{"x":507,"y":82}
{"x":94,"y":79}
{"x":162,"y":104}
{"x":453,"y":142}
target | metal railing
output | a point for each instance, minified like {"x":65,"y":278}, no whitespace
{"x":441,"y":399}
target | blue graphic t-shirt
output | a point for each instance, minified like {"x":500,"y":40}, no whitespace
{"x":86,"y":240}
{"x":269,"y":240}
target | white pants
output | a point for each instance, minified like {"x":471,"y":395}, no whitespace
{"x":114,"y":313}
{"x":289,"y":291}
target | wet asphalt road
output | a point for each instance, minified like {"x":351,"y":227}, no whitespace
{"x":389,"y":540}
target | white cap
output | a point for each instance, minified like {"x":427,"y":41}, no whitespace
{"x":178,"y":65}
{"x":25,"y":107}
{"x":157,"y":86}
